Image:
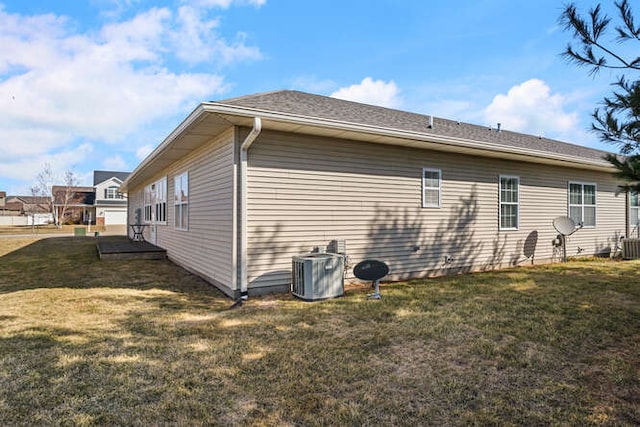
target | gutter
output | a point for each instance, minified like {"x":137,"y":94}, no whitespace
{"x":244,"y":154}
{"x":418,"y":137}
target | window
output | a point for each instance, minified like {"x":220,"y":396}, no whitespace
{"x":582,"y":203}
{"x":181,"y":201}
{"x":509,"y":202}
{"x":155,"y":202}
{"x":113,"y":192}
{"x":431,"y":188}
{"x":634,"y":209}
{"x":160,"y":201}
{"x":147,"y":203}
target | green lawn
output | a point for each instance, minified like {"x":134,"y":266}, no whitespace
{"x":39,"y":229}
{"x":86,"y":342}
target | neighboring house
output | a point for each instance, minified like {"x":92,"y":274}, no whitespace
{"x":102,"y":205}
{"x":110,"y":203}
{"x":25,"y":210}
{"x":78,"y":207}
{"x":27,"y":205}
{"x":244,"y":184}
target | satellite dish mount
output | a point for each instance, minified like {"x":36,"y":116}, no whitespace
{"x":566,"y":227}
{"x":374,"y":270}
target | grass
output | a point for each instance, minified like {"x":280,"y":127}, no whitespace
{"x":38,"y":229}
{"x":91,"y":342}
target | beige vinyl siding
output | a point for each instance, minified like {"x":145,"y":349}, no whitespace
{"x":205,"y":248}
{"x":135,"y":200}
{"x":305,"y":191}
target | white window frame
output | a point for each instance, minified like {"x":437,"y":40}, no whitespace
{"x":634,"y":208}
{"x":181,"y":201}
{"x":508,"y":203}
{"x":112,"y":192}
{"x":425,"y":188}
{"x":582,"y":205}
{"x":160,"y":201}
{"x":146,"y":205}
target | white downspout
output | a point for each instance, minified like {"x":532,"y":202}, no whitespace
{"x":244,"y":148}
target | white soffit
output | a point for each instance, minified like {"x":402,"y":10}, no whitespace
{"x":211,"y":119}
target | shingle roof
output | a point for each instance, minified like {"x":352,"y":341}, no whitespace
{"x":102,"y":176}
{"x":323,"y":107}
{"x":80,"y":196}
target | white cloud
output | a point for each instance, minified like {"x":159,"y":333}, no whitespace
{"x":369,"y":91}
{"x":530,"y":107}
{"x":60,"y":88}
{"x":114,"y":163}
{"x":144,"y":151}
{"x":196,"y":41}
{"x":27,"y":167}
{"x":225,"y":4}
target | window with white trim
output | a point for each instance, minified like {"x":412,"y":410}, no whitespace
{"x":181,"y":201}
{"x":634,"y":209}
{"x":147,"y":203}
{"x":509,"y":202}
{"x":113,"y":192}
{"x":155,"y":202}
{"x":431,"y":188}
{"x":160,"y":200}
{"x":582,"y":203}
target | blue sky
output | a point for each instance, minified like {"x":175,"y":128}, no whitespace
{"x":96,"y":84}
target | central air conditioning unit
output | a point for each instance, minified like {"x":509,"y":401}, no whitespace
{"x":630,"y":248}
{"x":317,"y":276}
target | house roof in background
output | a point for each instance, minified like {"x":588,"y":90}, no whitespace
{"x":31,"y":204}
{"x":102,"y":176}
{"x":81,"y":196}
{"x":29,"y":200}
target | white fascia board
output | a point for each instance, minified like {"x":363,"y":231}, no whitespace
{"x":480,"y":146}
{"x":228,"y":112}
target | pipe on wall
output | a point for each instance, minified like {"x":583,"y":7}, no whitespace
{"x":244,"y":153}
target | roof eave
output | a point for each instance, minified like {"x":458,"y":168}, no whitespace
{"x":242,"y":116}
{"x":481,"y":148}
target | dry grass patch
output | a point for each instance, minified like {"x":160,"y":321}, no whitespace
{"x":93,"y":342}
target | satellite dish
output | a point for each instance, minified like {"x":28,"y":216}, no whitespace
{"x":374,"y":270}
{"x":564,"y":225}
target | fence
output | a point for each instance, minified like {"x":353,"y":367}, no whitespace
{"x":38,"y":219}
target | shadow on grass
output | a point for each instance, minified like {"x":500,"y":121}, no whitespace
{"x":545,"y":345}
{"x":72,"y":262}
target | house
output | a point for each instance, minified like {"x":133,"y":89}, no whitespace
{"x":25,"y":205}
{"x":244,"y":184}
{"x":101,"y":205}
{"x":74,"y":205}
{"x":25,"y":210}
{"x":110,"y":203}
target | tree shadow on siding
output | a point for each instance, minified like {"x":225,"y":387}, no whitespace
{"x":413,"y":245}
{"x":524,"y":251}
{"x":612,"y":246}
{"x":267,"y":249}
